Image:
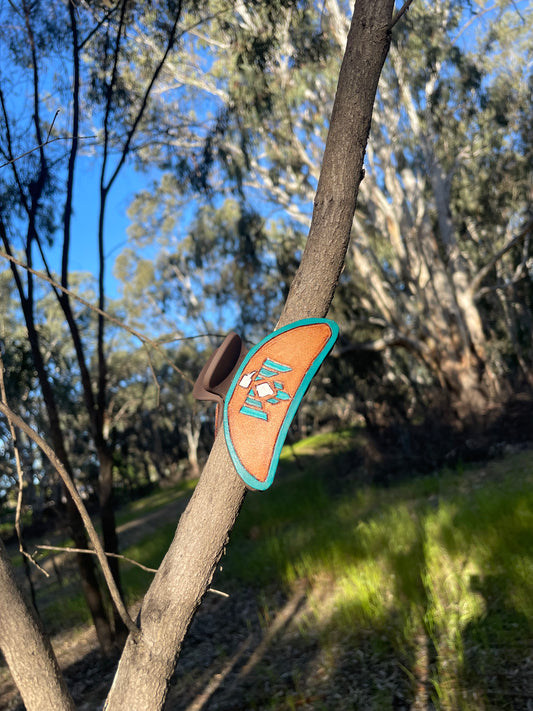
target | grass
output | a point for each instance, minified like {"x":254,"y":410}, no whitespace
{"x":134,"y":509}
{"x":432,"y":576}
{"x":437,"y":569}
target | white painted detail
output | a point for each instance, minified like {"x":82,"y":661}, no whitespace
{"x":246,"y":380}
{"x":264,"y":390}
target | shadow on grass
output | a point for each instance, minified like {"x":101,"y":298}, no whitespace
{"x":498,"y":664}
{"x":414,"y":582}
{"x":413,"y":596}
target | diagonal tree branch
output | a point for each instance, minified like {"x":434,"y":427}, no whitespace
{"x":33,"y":664}
{"x":147,"y":664}
{"x":482,"y":273}
{"x":17,"y":421}
{"x":407,"y":4}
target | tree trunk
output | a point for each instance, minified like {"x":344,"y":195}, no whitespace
{"x":367,"y":45}
{"x":89,"y":580}
{"x":109,"y":531}
{"x":26,"y":648}
{"x":146,"y":666}
{"x":192,"y":435}
{"x":86,"y":565}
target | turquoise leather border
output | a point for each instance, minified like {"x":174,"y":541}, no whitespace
{"x":248,"y":479}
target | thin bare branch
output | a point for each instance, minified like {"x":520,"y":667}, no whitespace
{"x":401,"y":12}
{"x":93,"y":536}
{"x":67,"y":549}
{"x":144,"y":102}
{"x":482,"y":273}
{"x":43,"y":145}
{"x":154,"y":376}
{"x":20,"y":475}
{"x":52,"y":124}
{"x":513,"y":3}
{"x":174,"y":339}
{"x":145,"y":340}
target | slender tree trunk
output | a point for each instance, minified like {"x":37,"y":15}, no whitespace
{"x":342,"y":166}
{"x":86,"y":565}
{"x":89,"y":581}
{"x":146,"y":666}
{"x":26,"y":648}
{"x":109,"y":531}
{"x":192,"y":434}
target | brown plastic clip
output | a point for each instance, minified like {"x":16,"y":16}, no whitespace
{"x":215,"y":377}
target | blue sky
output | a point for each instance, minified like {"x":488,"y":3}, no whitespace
{"x":84,"y":254}
{"x":84,"y":251}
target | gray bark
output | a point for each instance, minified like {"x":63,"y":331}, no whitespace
{"x":147,"y":664}
{"x":342,"y":167}
{"x":27,"y":650}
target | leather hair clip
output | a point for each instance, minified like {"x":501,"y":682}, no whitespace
{"x":261,"y":391}
{"x":215,"y":377}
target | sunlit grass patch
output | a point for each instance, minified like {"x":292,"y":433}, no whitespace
{"x":337,"y":440}
{"x":439,"y":568}
{"x":149,"y":552}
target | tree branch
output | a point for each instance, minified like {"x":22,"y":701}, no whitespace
{"x":27,"y":649}
{"x":69,"y":484}
{"x":401,"y":12}
{"x":145,"y":667}
{"x":482,"y":273}
{"x":89,"y":551}
{"x":43,"y":145}
{"x":68,"y":549}
{"x":67,"y":212}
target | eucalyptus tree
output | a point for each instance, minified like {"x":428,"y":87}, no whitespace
{"x":442,"y":237}
{"x":440,"y":263}
{"x":430,"y":239}
{"x":79,"y":57}
{"x":149,"y":657}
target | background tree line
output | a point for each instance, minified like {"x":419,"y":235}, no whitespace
{"x":224,"y":109}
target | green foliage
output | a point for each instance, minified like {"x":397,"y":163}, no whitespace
{"x":446,"y":187}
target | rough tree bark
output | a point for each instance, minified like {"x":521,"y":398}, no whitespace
{"x":146,"y":665}
{"x":26,"y":648}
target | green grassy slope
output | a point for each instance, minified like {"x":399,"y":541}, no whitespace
{"x":436,"y":571}
{"x":432,"y":575}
